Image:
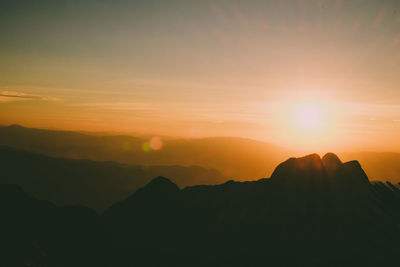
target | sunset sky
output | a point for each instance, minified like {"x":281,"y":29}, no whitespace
{"x":298,"y":73}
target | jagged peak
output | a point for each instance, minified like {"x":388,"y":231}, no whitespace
{"x":162,"y":182}
{"x":353,"y":169}
{"x":331,"y":157}
{"x":156,"y":191}
{"x":331,"y":161}
{"x":353,"y":164}
{"x":312,"y":159}
{"x":314,"y":156}
{"x":298,"y":166}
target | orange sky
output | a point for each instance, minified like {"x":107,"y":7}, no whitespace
{"x":207,"y":68}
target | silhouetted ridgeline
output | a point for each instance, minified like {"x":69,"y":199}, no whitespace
{"x":311,"y":212}
{"x":83,"y":182}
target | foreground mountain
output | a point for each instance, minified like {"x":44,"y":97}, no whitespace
{"x":311,"y":212}
{"x":83,"y":182}
{"x":38,"y":233}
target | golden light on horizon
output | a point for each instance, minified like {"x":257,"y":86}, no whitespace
{"x":303,"y":74}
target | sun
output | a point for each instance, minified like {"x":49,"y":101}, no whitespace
{"x":309,"y":117}
{"x":307,"y":121}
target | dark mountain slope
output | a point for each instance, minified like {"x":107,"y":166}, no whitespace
{"x":311,"y":212}
{"x":383,"y":166}
{"x":89,"y":183}
{"x":38,"y":233}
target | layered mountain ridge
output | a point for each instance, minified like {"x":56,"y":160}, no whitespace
{"x":312,"y":211}
{"x":239,"y":158}
{"x":94,"y":184}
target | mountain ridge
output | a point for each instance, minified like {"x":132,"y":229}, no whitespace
{"x":228,"y":155}
{"x":314,"y":211}
{"x":222,"y":153}
{"x":90,"y":183}
{"x":252,"y":223}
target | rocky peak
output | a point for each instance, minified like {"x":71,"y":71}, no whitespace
{"x":331,"y":162}
{"x":304,"y":168}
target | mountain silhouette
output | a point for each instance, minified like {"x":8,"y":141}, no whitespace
{"x":89,"y":183}
{"x":318,"y":211}
{"x":312,"y":211}
{"x":331,"y":162}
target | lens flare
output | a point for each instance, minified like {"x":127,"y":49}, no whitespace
{"x":156,"y":143}
{"x":146,"y":147}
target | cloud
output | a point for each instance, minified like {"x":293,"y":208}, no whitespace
{"x":10,"y":96}
{"x":118,"y":106}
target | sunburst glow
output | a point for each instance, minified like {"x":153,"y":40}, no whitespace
{"x":308,"y":117}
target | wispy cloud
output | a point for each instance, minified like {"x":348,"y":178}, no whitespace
{"x":117,"y":106}
{"x":10,"y":96}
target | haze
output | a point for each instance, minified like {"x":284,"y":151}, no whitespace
{"x":312,"y":75}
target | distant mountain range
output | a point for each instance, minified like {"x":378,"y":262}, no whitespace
{"x":236,"y":158}
{"x":89,"y":183}
{"x":312,"y":211}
